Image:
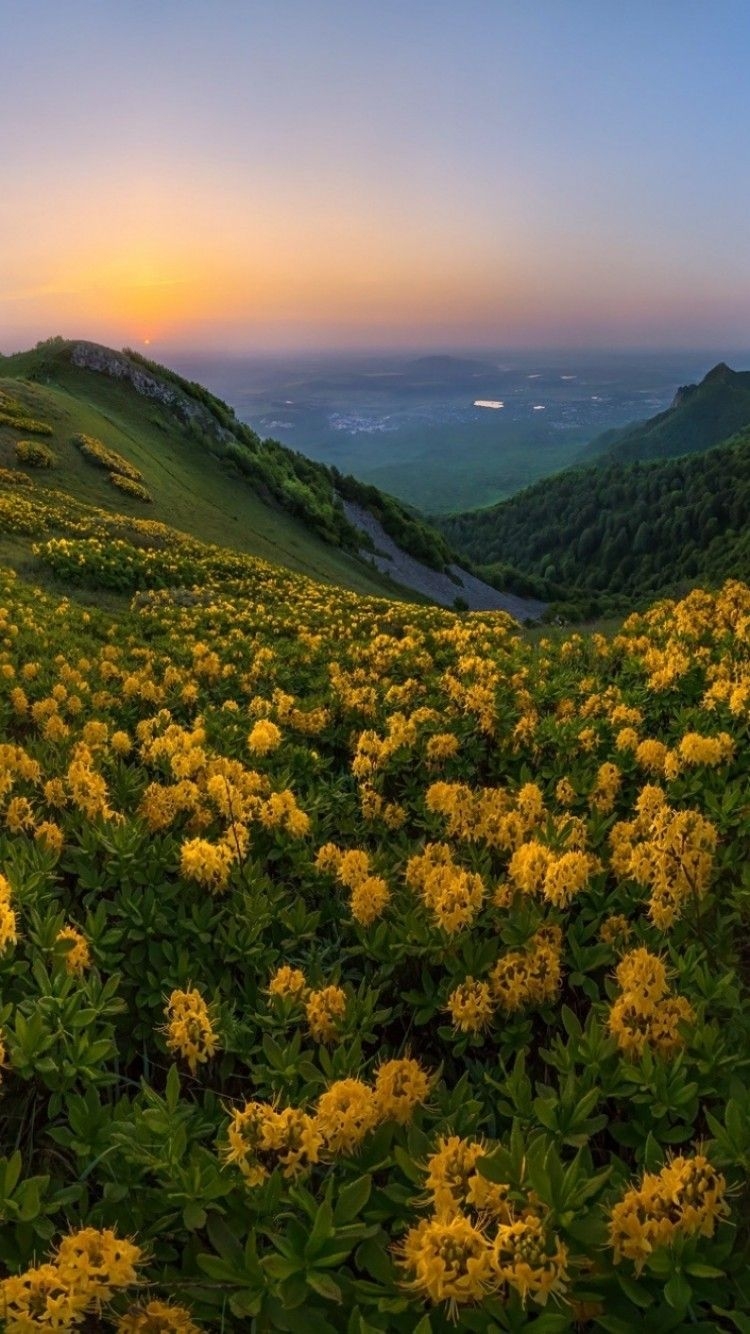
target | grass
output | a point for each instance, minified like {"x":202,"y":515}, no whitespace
{"x":191,"y":488}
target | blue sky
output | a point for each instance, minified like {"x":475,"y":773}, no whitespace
{"x":321,"y":171}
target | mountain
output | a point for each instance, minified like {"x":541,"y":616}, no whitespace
{"x":701,"y":415}
{"x":211,"y":476}
{"x":619,"y":530}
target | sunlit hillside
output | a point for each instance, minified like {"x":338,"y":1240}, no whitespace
{"x":365,"y":966}
{"x":198,"y":477}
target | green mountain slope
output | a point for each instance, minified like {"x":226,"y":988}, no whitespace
{"x":206,"y":473}
{"x":702,"y":415}
{"x":620,"y":529}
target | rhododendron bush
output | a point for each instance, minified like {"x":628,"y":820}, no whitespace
{"x":363,"y":966}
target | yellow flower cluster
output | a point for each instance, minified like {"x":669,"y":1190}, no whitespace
{"x":668,"y":851}
{"x":288,"y":984}
{"x":489,"y":815}
{"x":696,"y":749}
{"x":685,"y":1199}
{"x":264,"y":737}
{"x":520,"y":979}
{"x":452,"y":895}
{"x":157,"y":1317}
{"x":87,"y":1269}
{"x":261,"y":1138}
{"x":646,"y":1015}
{"x":475,"y":1243}
{"x":190,"y":1033}
{"x":324,"y":1010}
{"x":207,"y":790}
{"x":8,"y":921}
{"x":369,"y":894}
{"x":557,"y":877}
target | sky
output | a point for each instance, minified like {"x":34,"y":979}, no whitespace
{"x":233,"y":175}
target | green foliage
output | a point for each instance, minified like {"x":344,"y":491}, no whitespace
{"x":628,"y":530}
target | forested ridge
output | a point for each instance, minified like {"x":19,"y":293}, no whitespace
{"x":700,"y":416}
{"x":622,"y":529}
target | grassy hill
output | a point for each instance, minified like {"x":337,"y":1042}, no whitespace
{"x":206,"y":473}
{"x":701,"y":415}
{"x":619,"y":530}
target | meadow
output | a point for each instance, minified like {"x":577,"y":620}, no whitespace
{"x":364,"y":966}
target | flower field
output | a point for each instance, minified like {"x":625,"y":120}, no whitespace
{"x":364,"y":966}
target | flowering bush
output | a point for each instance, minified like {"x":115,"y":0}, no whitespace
{"x":33,"y":455}
{"x":129,"y":487}
{"x":364,"y":966}
{"x":103,"y":457}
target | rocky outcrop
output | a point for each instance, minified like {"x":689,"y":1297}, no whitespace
{"x":117,"y":365}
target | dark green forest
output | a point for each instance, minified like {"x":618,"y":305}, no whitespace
{"x":618,"y":530}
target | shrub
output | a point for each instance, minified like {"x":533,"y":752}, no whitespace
{"x":33,"y":455}
{"x":30,"y":424}
{"x":130,"y":487}
{"x":10,"y":478}
{"x":94,"y":451}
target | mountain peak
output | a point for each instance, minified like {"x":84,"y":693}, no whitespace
{"x":719,"y":374}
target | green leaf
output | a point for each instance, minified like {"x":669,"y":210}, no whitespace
{"x":322,"y":1229}
{"x":324,"y":1285}
{"x":698,"y":1270}
{"x":352,"y":1200}
{"x":678,"y":1292}
{"x":193,"y":1216}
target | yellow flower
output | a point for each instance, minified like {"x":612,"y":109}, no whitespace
{"x":400,"y":1087}
{"x":470,"y":1006}
{"x":455,"y":1184}
{"x":369,"y":900}
{"x":615,"y":930}
{"x":288,"y":983}
{"x":449,"y":1260}
{"x":78,"y":957}
{"x":264,"y":737}
{"x":41,"y":1298}
{"x":190,"y":1033}
{"x":50,"y":835}
{"x":687,"y":1198}
{"x":19,"y":815}
{"x":97,"y":1262}
{"x":345,"y":1114}
{"x":529,"y":1260}
{"x":441,"y":747}
{"x":711,"y":750}
{"x":209,"y":864}
{"x":324,"y":1009}
{"x":8,"y":921}
{"x":565,"y":793}
{"x":157,"y":1317}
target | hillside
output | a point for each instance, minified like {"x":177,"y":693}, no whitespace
{"x":364,"y":967}
{"x":700,"y":416}
{"x":206,"y":473}
{"x":626,"y":530}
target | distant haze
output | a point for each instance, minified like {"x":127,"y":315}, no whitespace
{"x":451,"y":174}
